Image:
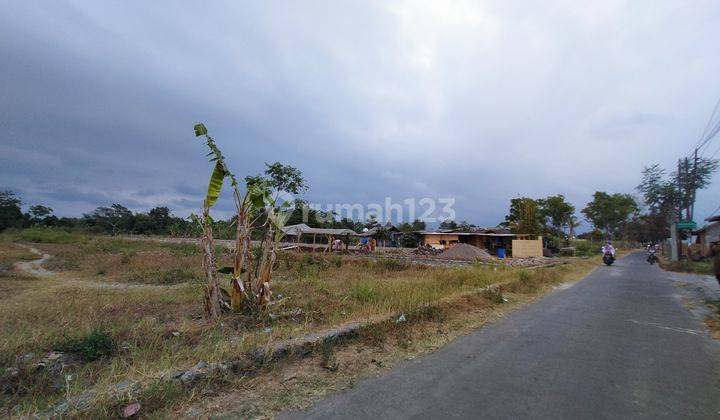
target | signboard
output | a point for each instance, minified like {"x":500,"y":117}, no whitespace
{"x":687,"y":225}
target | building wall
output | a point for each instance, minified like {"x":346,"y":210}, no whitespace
{"x":478,"y":241}
{"x":440,"y":241}
{"x":713,"y":232}
{"x":525,"y":248}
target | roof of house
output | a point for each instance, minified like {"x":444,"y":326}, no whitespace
{"x":474,"y":233}
{"x":302,"y":228}
{"x":712,"y":222}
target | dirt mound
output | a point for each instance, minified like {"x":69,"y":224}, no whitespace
{"x":464,"y":252}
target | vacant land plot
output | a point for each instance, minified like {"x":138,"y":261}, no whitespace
{"x":118,"y":309}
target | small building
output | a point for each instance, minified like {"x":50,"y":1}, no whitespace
{"x":708,"y":234}
{"x":489,"y":239}
{"x":386,"y":235}
{"x":300,"y":230}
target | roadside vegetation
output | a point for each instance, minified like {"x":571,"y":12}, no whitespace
{"x":130,"y":309}
{"x":688,"y":266}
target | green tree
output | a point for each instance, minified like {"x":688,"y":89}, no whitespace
{"x":557,"y":211}
{"x":372,"y":222}
{"x":10,"y":212}
{"x":39,"y":214}
{"x":114,"y":219}
{"x":417,"y":224}
{"x":285,"y":178}
{"x":448,"y":225}
{"x":409,"y":240}
{"x":524,"y":216}
{"x":659,"y":194}
{"x":607,"y":212}
{"x":693,"y":176}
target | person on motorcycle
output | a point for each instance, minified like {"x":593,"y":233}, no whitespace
{"x":652,"y":251}
{"x":608,"y":249}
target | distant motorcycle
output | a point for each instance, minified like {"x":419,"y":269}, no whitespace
{"x":608,"y":258}
{"x":652,"y":257}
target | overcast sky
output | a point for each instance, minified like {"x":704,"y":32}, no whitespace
{"x":480,"y":100}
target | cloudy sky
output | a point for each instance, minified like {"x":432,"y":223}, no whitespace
{"x":480,"y":101}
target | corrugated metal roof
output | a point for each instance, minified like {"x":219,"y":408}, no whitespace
{"x":466,"y":233}
{"x":302,"y":228}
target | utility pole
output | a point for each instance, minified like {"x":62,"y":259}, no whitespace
{"x":674,"y":231}
{"x":694,"y":184}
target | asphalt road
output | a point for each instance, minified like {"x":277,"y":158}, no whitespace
{"x":618,"y":344}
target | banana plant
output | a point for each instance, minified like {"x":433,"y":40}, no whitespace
{"x":246,"y":288}
{"x":213,"y":297}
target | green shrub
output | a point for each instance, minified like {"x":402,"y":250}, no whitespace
{"x":409,"y":240}
{"x":95,"y":345}
{"x":363,"y":292}
{"x":47,"y":235}
{"x":336,"y":260}
{"x":389,"y":264}
{"x":585,"y":248}
{"x":494,"y":295}
{"x":173,"y":275}
{"x":184,"y":250}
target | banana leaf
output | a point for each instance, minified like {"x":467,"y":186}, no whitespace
{"x":215,"y":185}
{"x":200,"y":129}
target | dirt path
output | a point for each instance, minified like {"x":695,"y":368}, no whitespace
{"x":35,"y":268}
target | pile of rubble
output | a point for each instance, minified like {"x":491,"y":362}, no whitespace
{"x":532,"y":261}
{"x":465,"y":252}
{"x":426,"y":250}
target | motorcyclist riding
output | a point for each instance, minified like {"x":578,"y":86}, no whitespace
{"x":608,"y":249}
{"x":608,"y":253}
{"x":652,"y":251}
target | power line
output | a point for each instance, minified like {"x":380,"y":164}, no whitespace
{"x":703,"y":138}
{"x":710,"y":135}
{"x":714,"y":211}
{"x":714,"y":154}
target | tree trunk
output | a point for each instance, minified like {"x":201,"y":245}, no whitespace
{"x":212,"y":288}
{"x":266,"y":267}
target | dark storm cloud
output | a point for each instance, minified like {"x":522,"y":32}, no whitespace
{"x":477,"y":101}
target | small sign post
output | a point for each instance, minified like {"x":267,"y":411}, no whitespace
{"x":687,"y":225}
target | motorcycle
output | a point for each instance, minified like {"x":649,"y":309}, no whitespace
{"x":652,"y":258}
{"x":608,"y":258}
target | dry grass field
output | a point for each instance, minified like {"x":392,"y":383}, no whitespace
{"x":132,"y":309}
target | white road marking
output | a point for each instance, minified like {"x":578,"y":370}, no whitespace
{"x":664,"y":327}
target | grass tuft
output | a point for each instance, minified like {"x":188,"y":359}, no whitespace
{"x":363,"y":292}
{"x":93,"y":346}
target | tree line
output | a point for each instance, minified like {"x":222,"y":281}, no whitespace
{"x":115,"y":219}
{"x":663,"y":198}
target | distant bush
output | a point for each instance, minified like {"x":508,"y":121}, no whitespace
{"x":585,"y":248}
{"x":95,"y":345}
{"x":172,"y":275}
{"x":389,"y":264}
{"x":185,"y":250}
{"x":409,"y":240}
{"x":45,"y":235}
